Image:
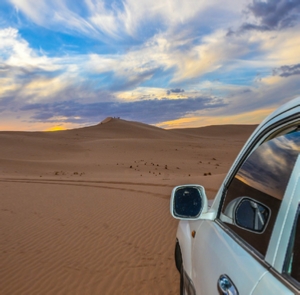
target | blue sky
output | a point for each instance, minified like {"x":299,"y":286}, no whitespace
{"x":68,"y":63}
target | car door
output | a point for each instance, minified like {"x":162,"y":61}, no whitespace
{"x":233,"y":257}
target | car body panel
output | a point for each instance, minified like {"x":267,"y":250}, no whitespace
{"x":269,"y":284}
{"x":185,"y":240}
{"x":216,"y":253}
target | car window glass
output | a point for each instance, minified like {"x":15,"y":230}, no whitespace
{"x":292,"y":261}
{"x":263,"y":177}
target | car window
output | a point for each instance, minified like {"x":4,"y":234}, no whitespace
{"x":262,"y":179}
{"x":292,"y":261}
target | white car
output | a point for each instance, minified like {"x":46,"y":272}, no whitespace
{"x":248,"y":240}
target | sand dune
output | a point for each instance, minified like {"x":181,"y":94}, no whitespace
{"x":86,"y":211}
{"x":233,"y":131}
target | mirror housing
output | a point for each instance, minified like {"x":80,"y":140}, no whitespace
{"x":188,"y":202}
{"x":248,"y":214}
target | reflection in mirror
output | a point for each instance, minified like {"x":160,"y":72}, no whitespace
{"x":252,"y":215}
{"x":269,"y":167}
{"x":187,"y":202}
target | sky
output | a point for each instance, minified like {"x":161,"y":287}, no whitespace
{"x":173,"y":64}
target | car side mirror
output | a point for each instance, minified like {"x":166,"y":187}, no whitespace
{"x":251,"y":215}
{"x":188,"y":202}
{"x":247,"y":214}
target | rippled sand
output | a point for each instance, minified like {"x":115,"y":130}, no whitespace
{"x":86,"y":211}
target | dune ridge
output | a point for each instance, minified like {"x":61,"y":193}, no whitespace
{"x":86,"y":211}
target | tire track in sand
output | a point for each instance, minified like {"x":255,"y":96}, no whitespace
{"x":93,"y":184}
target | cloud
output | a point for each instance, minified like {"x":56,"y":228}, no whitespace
{"x":138,"y":53}
{"x":173,"y":52}
{"x":252,"y":27}
{"x":15,"y":52}
{"x":28,"y":76}
{"x":286,"y":71}
{"x":270,"y":15}
{"x":125,"y":20}
{"x":175,"y":90}
{"x":84,"y":90}
{"x":148,"y":111}
{"x":269,"y":92}
{"x":56,"y":15}
{"x":276,"y":14}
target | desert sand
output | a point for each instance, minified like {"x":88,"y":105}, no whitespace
{"x":86,"y":211}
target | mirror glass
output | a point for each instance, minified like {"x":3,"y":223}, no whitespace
{"x":252,"y":215}
{"x":187,"y":202}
